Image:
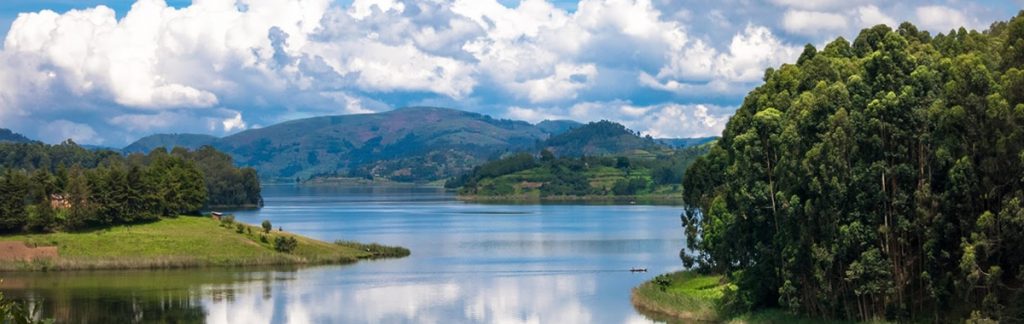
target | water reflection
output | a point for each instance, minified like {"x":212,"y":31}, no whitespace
{"x":470,"y":263}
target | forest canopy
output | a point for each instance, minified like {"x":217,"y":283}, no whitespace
{"x":875,"y":180}
{"x":50,"y":187}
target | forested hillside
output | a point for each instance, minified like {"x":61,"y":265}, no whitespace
{"x":875,"y":180}
{"x":524,"y":176}
{"x":6,"y":135}
{"x":601,"y":138}
{"x":66,"y":187}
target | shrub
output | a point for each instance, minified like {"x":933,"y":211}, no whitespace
{"x":227,"y":220}
{"x":263,"y":238}
{"x":239,"y":228}
{"x":285,"y":244}
{"x":266,"y":226}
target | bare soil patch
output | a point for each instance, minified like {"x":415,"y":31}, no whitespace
{"x":18,"y":251}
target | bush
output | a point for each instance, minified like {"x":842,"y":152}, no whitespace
{"x":239,"y":228}
{"x":285,"y":244}
{"x":227,"y":220}
{"x":263,"y":238}
{"x":266,"y":226}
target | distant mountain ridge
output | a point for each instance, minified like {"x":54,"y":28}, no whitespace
{"x":411,"y":144}
{"x":7,"y":136}
{"x":190,"y":141}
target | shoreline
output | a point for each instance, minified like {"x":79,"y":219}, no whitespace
{"x":687,"y":296}
{"x":672,"y":200}
{"x":178,"y":243}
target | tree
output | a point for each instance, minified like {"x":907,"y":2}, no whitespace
{"x":13,"y":196}
{"x":882,"y":181}
{"x":266,"y":226}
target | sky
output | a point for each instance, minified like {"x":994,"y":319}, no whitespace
{"x":107,"y":72}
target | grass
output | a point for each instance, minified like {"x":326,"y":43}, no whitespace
{"x":177,"y":243}
{"x":687,"y":296}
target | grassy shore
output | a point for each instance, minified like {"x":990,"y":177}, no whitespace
{"x":184,"y":242}
{"x":691,"y":297}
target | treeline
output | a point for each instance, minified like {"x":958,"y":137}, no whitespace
{"x":875,"y":180}
{"x":66,"y":187}
{"x":573,"y":176}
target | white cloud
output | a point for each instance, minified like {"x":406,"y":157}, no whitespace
{"x":941,"y":19}
{"x":813,"y":22}
{"x":234,"y":123}
{"x":818,"y":4}
{"x":60,"y":130}
{"x":871,"y":15}
{"x":661,"y":120}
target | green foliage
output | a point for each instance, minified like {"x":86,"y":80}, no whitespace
{"x":102,"y":188}
{"x":266,"y":226}
{"x":878,"y":181}
{"x":227,"y":220}
{"x":240,"y":228}
{"x":285,"y":244}
{"x":376,"y":250}
{"x":15,"y":312}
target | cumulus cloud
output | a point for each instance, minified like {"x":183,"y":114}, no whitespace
{"x":818,"y":4}
{"x":871,"y":15}
{"x":60,"y":130}
{"x":669,"y":120}
{"x":941,"y":19}
{"x":813,"y":22}
{"x":159,"y":68}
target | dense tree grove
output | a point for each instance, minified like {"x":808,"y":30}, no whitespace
{"x":879,"y":179}
{"x":45,"y":188}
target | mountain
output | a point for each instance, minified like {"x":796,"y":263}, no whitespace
{"x":679,"y":143}
{"x":6,"y":135}
{"x":190,"y":141}
{"x":601,"y":138}
{"x":556,"y":127}
{"x":407,"y":144}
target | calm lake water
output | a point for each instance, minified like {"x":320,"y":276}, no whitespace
{"x":472,"y":263}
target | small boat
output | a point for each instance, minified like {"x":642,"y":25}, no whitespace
{"x":638,"y":270}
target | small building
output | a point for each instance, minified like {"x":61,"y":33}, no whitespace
{"x":59,"y":201}
{"x":216,"y":215}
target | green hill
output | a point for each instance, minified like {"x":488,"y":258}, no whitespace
{"x":7,"y":136}
{"x":414,"y":144}
{"x":600,"y":139}
{"x":556,"y":127}
{"x":189,"y":141}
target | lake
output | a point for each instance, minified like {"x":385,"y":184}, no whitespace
{"x":549,"y":263}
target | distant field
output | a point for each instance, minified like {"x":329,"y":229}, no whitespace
{"x":180,"y":242}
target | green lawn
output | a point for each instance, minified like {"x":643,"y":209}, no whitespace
{"x":691,"y":297}
{"x":178,"y":242}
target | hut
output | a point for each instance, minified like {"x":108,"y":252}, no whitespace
{"x":216,"y":215}
{"x":58,"y":201}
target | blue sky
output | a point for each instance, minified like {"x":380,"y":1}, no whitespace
{"x":109,"y":72}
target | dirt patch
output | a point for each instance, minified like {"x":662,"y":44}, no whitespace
{"x":18,"y":251}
